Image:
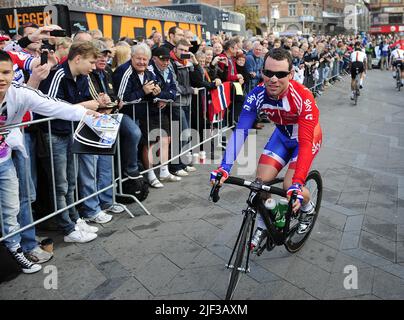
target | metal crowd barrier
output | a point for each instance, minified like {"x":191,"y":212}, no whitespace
{"x":215,"y":130}
{"x":118,"y":180}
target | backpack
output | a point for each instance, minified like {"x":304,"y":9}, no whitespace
{"x":9,"y":268}
{"x":136,"y":187}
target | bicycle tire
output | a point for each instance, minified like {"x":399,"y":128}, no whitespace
{"x":235,"y":273}
{"x":290,"y":244}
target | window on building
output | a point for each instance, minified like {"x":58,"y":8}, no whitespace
{"x":395,"y":1}
{"x":305,"y":9}
{"x":396,"y":18}
{"x":292,"y":9}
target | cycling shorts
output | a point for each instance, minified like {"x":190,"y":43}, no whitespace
{"x":280,"y":149}
{"x":401,"y":63}
{"x":356,"y":65}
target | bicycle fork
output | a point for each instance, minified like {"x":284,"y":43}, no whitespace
{"x":229,"y":265}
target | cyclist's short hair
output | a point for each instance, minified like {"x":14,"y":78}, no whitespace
{"x":280,"y":54}
{"x":86,"y":49}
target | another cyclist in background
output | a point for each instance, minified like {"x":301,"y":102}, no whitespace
{"x":357,"y":61}
{"x":397,"y":57}
{"x":296,"y":139}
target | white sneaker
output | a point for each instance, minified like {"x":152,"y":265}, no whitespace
{"x":190,"y":169}
{"x":83,"y":226}
{"x":38,"y":255}
{"x":100,"y":217}
{"x":115,"y":209}
{"x":80,"y":236}
{"x":181,"y":173}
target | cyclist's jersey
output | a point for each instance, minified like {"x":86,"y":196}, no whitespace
{"x":397,"y":55}
{"x":358,"y":56}
{"x":296,"y":117}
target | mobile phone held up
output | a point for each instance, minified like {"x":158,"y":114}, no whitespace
{"x":185,"y":56}
{"x":44,"y":57}
{"x":58,"y":33}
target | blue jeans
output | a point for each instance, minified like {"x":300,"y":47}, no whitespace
{"x":130,"y":136}
{"x":63,"y":162}
{"x":10,"y":204}
{"x":27,"y":196}
{"x":95,"y":173}
{"x":179,"y":117}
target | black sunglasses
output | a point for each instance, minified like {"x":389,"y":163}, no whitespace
{"x":278,"y":74}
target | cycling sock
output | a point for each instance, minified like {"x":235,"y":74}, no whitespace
{"x":261,"y":223}
{"x":164,"y":171}
{"x":361,"y":82}
{"x":307,"y":207}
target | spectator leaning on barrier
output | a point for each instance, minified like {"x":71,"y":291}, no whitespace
{"x":160,"y":113}
{"x":211,"y":63}
{"x":254,"y":64}
{"x":15,"y":100}
{"x":181,"y":68}
{"x":69,"y":82}
{"x":134,"y":82}
{"x":129,"y":132}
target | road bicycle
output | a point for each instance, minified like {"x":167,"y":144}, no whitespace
{"x":356,"y":90}
{"x":398,"y":76}
{"x":288,"y":236}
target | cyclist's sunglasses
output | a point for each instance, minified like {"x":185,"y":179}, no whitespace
{"x":278,"y":74}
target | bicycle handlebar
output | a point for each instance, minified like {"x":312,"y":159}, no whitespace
{"x":252,"y":185}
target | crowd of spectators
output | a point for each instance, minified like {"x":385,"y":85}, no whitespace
{"x":164,"y":77}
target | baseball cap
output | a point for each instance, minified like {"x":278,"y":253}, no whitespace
{"x":161,"y":52}
{"x":101,"y":46}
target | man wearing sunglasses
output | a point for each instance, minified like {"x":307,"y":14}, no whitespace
{"x":295,"y":140}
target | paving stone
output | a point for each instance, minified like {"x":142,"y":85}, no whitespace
{"x":367,"y":257}
{"x":130,"y":290}
{"x":378,"y":245}
{"x":387,"y":286}
{"x":319,"y":255}
{"x":332,"y":218}
{"x":354,"y":223}
{"x":308,"y":277}
{"x":394,"y":269}
{"x":194,"y":279}
{"x":336,"y":286}
{"x":380,"y":228}
{"x":326,"y":235}
{"x":157,"y":273}
{"x":350,"y":240}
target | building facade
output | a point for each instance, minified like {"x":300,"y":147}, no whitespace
{"x":386,"y":16}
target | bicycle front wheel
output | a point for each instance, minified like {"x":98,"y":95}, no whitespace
{"x":314,"y":184}
{"x":242,"y":245}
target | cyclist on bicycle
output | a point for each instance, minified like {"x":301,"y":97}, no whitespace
{"x":397,"y":58}
{"x":296,"y":138}
{"x":357,"y":61}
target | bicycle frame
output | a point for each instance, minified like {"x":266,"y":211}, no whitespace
{"x":255,"y":205}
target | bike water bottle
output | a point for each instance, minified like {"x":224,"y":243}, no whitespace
{"x":281,"y":209}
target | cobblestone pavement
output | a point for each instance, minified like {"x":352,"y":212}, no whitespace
{"x":180,"y":250}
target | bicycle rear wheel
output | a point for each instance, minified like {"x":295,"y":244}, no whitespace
{"x":242,"y":244}
{"x":294,"y":242}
